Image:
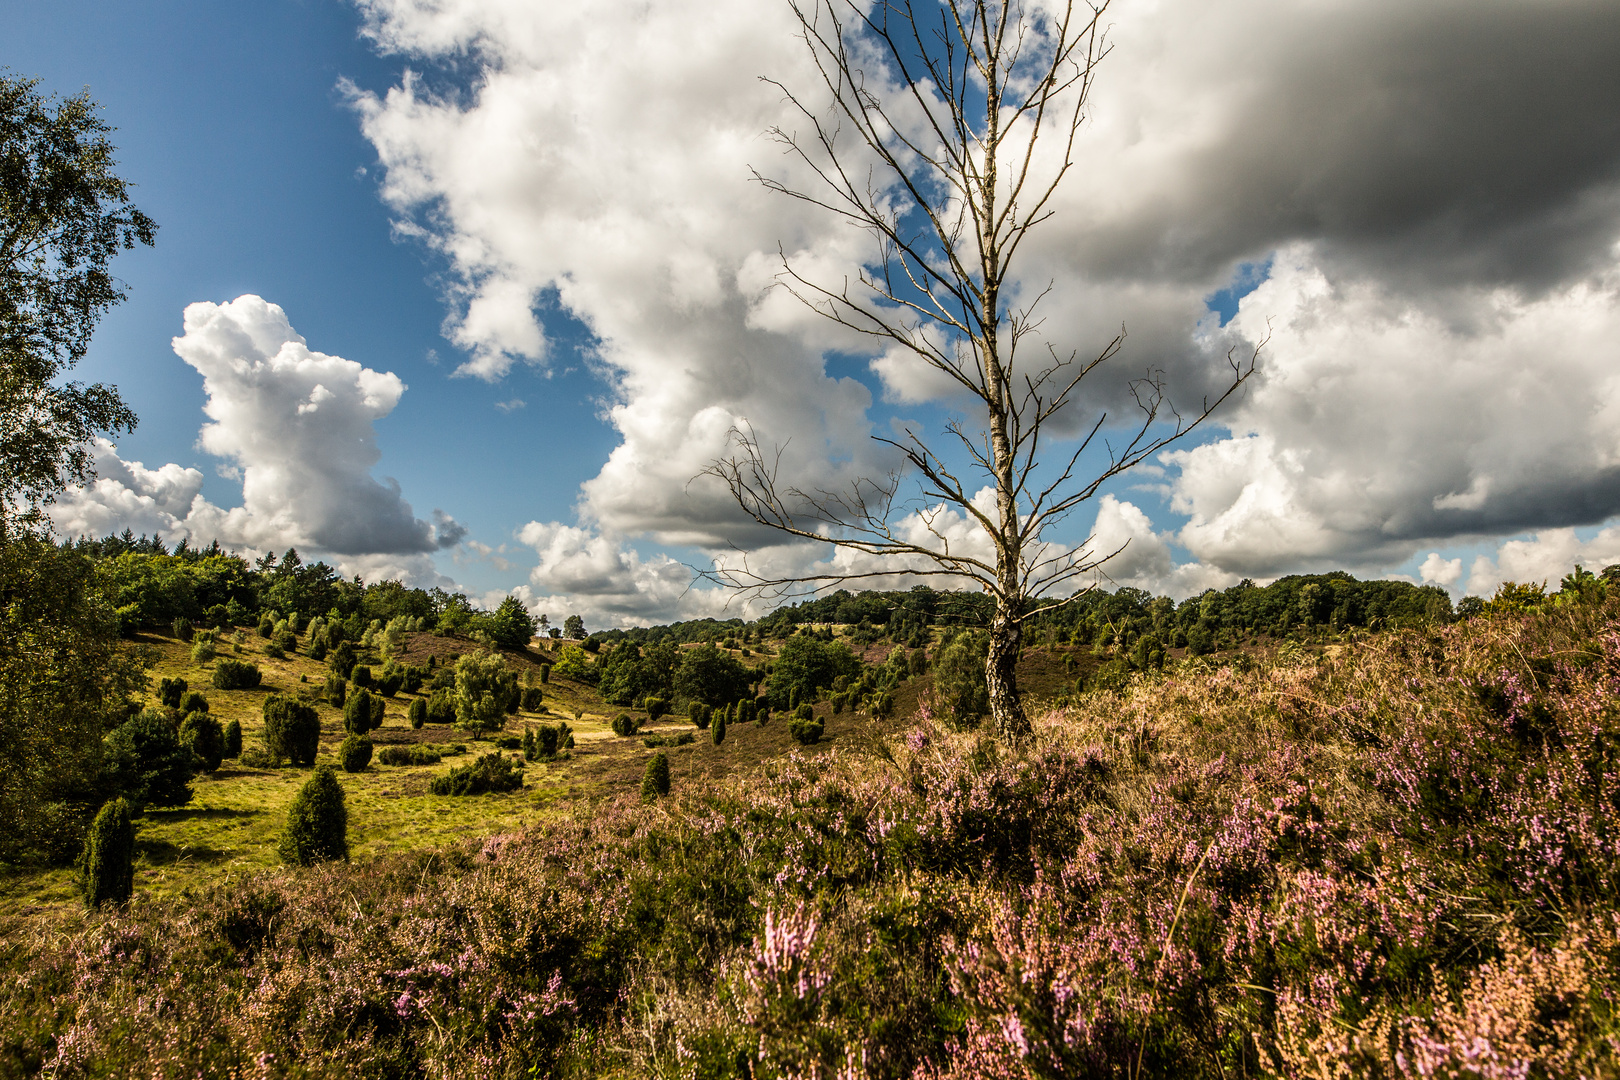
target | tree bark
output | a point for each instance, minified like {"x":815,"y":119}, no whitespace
{"x":1001,"y":679}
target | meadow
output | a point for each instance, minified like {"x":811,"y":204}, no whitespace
{"x":1392,"y":858}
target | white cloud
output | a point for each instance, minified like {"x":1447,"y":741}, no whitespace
{"x":1545,"y":557}
{"x":298,"y":428}
{"x":1441,"y":214}
{"x":1442,"y":572}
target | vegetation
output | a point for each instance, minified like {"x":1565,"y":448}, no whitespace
{"x":317,"y":822}
{"x":107,"y":867}
{"x":292,"y":730}
{"x":145,"y":762}
{"x":489,"y":772}
{"x":236,"y":675}
{"x":355,"y":753}
{"x":655,"y":781}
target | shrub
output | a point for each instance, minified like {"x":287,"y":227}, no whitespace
{"x":355,"y":753}
{"x":317,"y":647}
{"x":408,"y":755}
{"x":717,"y":731}
{"x":441,"y":708}
{"x":547,"y":739}
{"x":533,"y":697}
{"x":233,"y":740}
{"x":203,"y":736}
{"x":181,"y":628}
{"x":378,"y":708}
{"x":286,"y":641}
{"x":192,"y":701}
{"x":292,"y":730}
{"x":361,"y":676}
{"x":107,"y":867}
{"x":805,"y":731}
{"x":491,"y":772}
{"x":508,"y":742}
{"x":623,"y":725}
{"x":390,"y":683}
{"x":267,"y":626}
{"x":545,"y":674}
{"x":655,"y":781}
{"x":273,"y":651}
{"x":656,"y":707}
{"x":341,"y":659}
{"x":357,"y":713}
{"x":202,"y":650}
{"x":417,"y":713}
{"x":317,"y":823}
{"x":803,"y":712}
{"x":412,"y":678}
{"x":257,"y":757}
{"x":146,"y":763}
{"x":700,"y":714}
{"x":685,"y":738}
{"x":236,"y":675}
{"x":170,"y":691}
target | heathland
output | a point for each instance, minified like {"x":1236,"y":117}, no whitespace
{"x":1320,"y":828}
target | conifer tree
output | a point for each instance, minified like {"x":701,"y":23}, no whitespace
{"x":655,"y":781}
{"x":317,"y":822}
{"x":107,"y":867}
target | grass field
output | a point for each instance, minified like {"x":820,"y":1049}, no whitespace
{"x":233,"y":822}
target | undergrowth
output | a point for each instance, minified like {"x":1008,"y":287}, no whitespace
{"x":1399,"y":861}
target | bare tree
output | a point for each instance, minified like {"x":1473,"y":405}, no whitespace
{"x":949,"y":157}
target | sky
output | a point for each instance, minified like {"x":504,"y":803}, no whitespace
{"x":469,"y":292}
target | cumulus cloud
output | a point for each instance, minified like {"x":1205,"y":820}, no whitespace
{"x":1545,"y":557}
{"x":298,"y":428}
{"x":1439,"y":211}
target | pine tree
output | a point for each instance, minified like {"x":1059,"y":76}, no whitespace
{"x":107,"y":866}
{"x":717,"y":730}
{"x":233,"y":739}
{"x":317,"y":823}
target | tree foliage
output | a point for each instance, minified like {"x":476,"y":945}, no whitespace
{"x":146,"y":762}
{"x":484,"y":686}
{"x":107,"y":867}
{"x":64,"y":214}
{"x":317,"y":827}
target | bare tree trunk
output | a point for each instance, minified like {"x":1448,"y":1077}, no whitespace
{"x":1001,"y":677}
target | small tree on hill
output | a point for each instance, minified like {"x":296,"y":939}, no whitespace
{"x":511,"y":625}
{"x":233,"y":739}
{"x":107,"y":867}
{"x":357,"y":712}
{"x":317,"y":822}
{"x":146,"y":763}
{"x":292,"y":730}
{"x":483,"y":688}
{"x":203,"y":736}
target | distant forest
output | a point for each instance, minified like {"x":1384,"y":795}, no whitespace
{"x":152,"y":585}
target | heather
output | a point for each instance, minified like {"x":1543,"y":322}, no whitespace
{"x":1390,"y":858}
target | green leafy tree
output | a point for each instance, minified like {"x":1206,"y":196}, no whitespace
{"x":511,"y":625}
{"x":805,"y":665}
{"x":710,"y":675}
{"x":357,"y":712}
{"x":574,"y":627}
{"x":572,"y":663}
{"x":64,"y":682}
{"x":483,"y":687}
{"x":717,"y":730}
{"x":107,"y":867}
{"x":233,"y":739}
{"x":317,"y":822}
{"x":64,"y":214}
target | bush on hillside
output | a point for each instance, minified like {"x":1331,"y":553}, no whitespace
{"x":235,"y":675}
{"x":204,"y":737}
{"x":170,"y":691}
{"x":233,"y":740}
{"x":191,"y":701}
{"x":441,"y":707}
{"x":805,"y":730}
{"x":337,"y":691}
{"x":357,"y":711}
{"x":317,"y":827}
{"x":533,"y":698}
{"x":354,"y":754}
{"x":361,"y":676}
{"x":144,"y":761}
{"x":292,"y":730}
{"x":181,"y":628}
{"x":107,"y":867}
{"x":203,"y":651}
{"x":492,"y":772}
{"x":717,"y":730}
{"x":655,"y":781}
{"x":417,"y":712}
{"x":408,"y":754}
{"x":341,"y":659}
{"x":685,"y":738}
{"x":655,"y":707}
{"x":959,"y":678}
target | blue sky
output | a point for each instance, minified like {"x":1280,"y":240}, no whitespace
{"x":502,"y":203}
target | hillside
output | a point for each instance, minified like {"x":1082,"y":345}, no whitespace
{"x":1391,"y":858}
